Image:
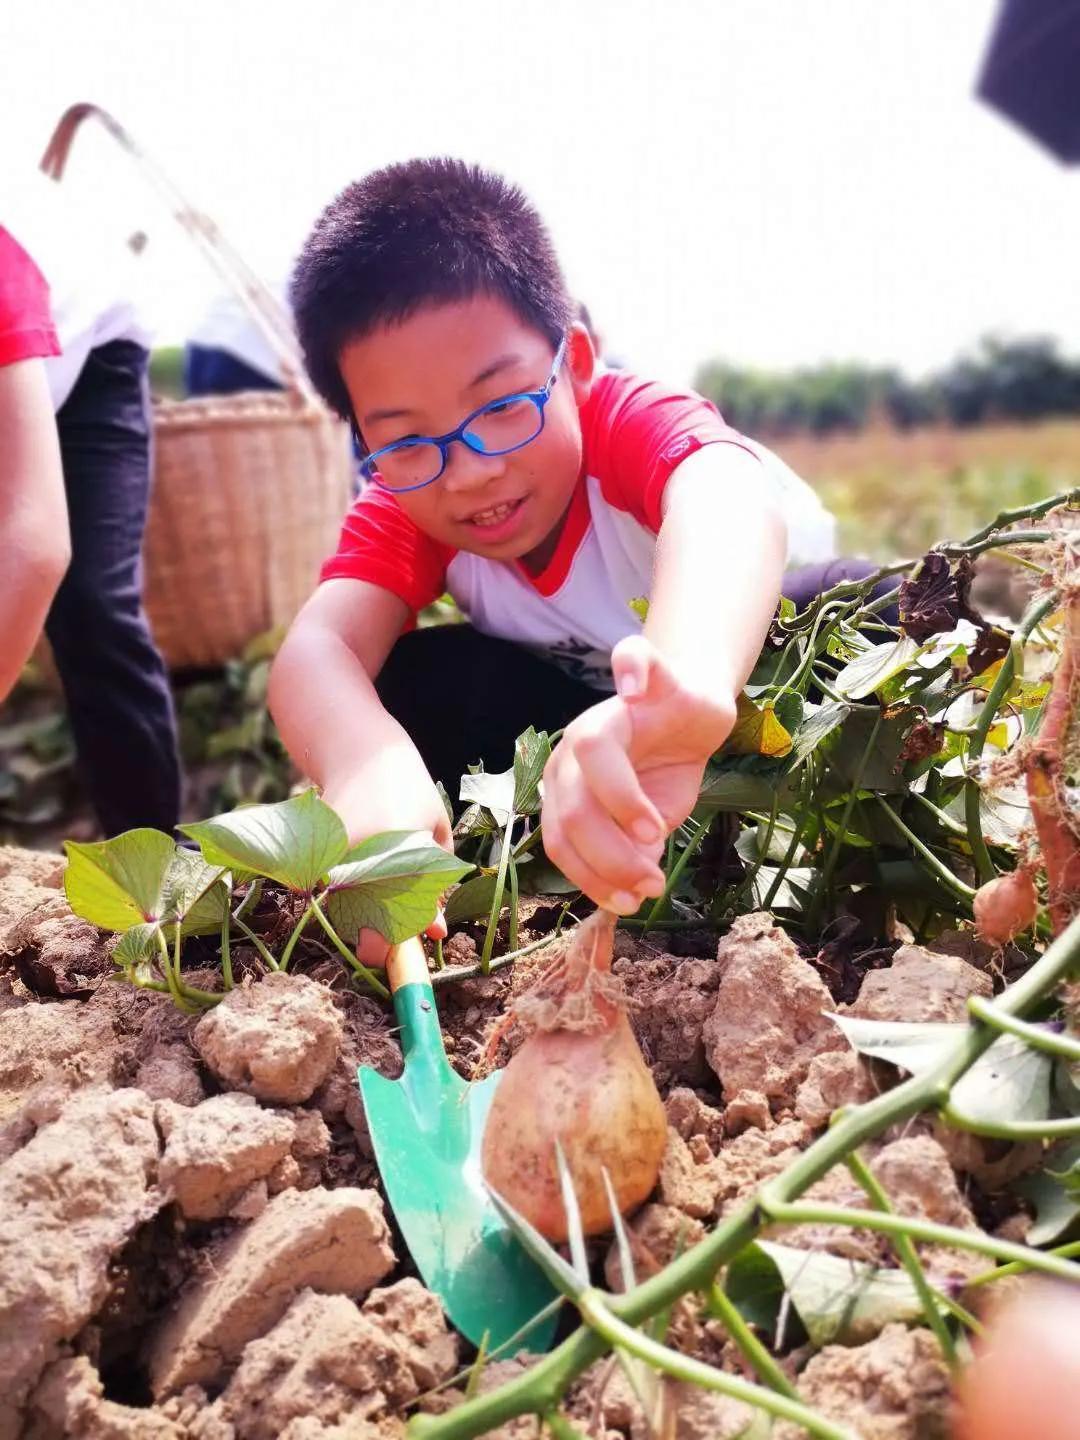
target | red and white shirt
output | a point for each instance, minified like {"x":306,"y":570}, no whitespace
{"x":635,"y":433}
{"x":27,"y":331}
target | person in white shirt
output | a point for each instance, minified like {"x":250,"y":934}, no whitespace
{"x":114,"y":678}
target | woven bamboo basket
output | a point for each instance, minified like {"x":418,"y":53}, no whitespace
{"x":249,"y":493}
{"x":249,"y":490}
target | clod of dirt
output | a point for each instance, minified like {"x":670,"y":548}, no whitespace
{"x":367,"y":1041}
{"x":328,"y":1363}
{"x":693,"y":1118}
{"x":992,"y":1164}
{"x":670,"y":1001}
{"x":72,"y":1044}
{"x":769,"y":1020}
{"x":894,"y":1388}
{"x":69,"y":1404}
{"x":834,"y":1079}
{"x":703,"y":1189}
{"x":41,"y":867}
{"x":18,"y":898}
{"x":170,"y":1075}
{"x":310,"y":1147}
{"x":214,"y":1151}
{"x":685,"y":1184}
{"x":752,"y":1158}
{"x":748,"y":1111}
{"x":920,"y":984}
{"x":69,"y":1200}
{"x":682,"y":1411}
{"x":333,"y":1241}
{"x":277,"y":1040}
{"x":54,"y":951}
{"x":657,"y":1233}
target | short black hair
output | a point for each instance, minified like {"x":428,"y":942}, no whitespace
{"x":418,"y":233}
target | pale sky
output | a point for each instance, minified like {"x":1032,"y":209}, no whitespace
{"x":771,"y":181}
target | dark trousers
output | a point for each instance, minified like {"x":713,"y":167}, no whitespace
{"x":465,"y":697}
{"x":115,"y":681}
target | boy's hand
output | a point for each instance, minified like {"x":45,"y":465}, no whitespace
{"x":626,"y":773}
{"x":392,"y":792}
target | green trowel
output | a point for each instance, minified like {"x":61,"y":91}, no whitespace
{"x":426,"y":1129}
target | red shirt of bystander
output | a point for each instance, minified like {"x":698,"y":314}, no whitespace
{"x":26,"y":326}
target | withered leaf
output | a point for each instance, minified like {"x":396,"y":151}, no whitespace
{"x":935,"y":597}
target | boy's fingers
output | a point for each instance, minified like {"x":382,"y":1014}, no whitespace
{"x":612,"y":779}
{"x":640,"y":671}
{"x":437,"y":930}
{"x":372,"y":949}
{"x":593,"y":840}
{"x":562,"y":852}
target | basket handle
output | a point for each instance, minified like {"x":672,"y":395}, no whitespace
{"x":265,"y":310}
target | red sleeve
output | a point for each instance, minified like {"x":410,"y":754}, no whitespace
{"x":636,"y":432}
{"x":380,"y":544}
{"x":26,"y":326}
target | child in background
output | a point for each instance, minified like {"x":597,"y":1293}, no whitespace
{"x":546,"y":495}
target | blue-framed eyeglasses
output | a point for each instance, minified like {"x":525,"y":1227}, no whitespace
{"x":497,"y":428}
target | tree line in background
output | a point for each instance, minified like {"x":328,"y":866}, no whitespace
{"x":1002,"y":380}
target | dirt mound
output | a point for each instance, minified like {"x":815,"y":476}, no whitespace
{"x":833,"y":1080}
{"x":54,"y":952}
{"x":277,"y":1040}
{"x":69,"y":1404}
{"x":894,"y":1388}
{"x":329,"y":1364}
{"x":69,"y":1044}
{"x":670,"y":1001}
{"x":40,"y":867}
{"x":216,"y":1151}
{"x":707,"y":1187}
{"x":769,"y":1019}
{"x":920,"y":984}
{"x":333,"y":1241}
{"x":69,"y":1199}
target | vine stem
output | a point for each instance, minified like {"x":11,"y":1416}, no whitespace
{"x":298,"y":930}
{"x":674,"y":874}
{"x":226,"y":950}
{"x":468,"y":972}
{"x":259,"y":946}
{"x":1036,"y":1036}
{"x":981,"y":729}
{"x":924,"y":1230}
{"x":941,"y":870}
{"x":753,"y":1351}
{"x":540,"y":1389}
{"x":497,"y":898}
{"x":908,"y":1257}
{"x":346,"y":954}
{"x":595,"y":1312}
{"x":837,"y":839}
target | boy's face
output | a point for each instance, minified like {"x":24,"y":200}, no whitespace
{"x":426,"y":374}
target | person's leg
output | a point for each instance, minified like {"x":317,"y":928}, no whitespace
{"x":209,"y":371}
{"x":463,"y":697}
{"x":114,"y":679}
{"x":805,"y":583}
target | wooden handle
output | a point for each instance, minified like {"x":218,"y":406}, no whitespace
{"x":407,"y":964}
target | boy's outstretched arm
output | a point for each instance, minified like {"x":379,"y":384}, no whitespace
{"x":629,"y":769}
{"x":323,"y":701}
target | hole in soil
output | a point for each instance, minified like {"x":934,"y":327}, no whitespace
{"x":143,"y":1280}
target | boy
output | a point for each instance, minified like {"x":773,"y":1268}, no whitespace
{"x":546,"y":496}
